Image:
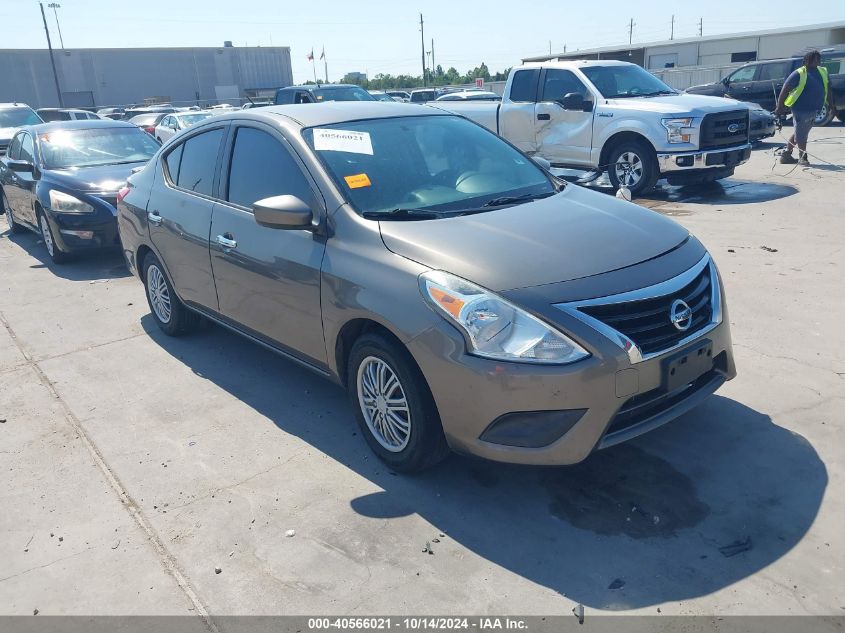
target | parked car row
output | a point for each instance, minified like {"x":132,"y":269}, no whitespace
{"x":406,"y":253}
{"x":761,"y":82}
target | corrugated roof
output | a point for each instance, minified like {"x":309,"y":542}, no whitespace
{"x":687,"y":40}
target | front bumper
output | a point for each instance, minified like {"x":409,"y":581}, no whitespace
{"x":74,"y":233}
{"x":611,"y":397}
{"x":703,"y":159}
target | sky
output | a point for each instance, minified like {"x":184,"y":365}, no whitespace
{"x":383,"y":36}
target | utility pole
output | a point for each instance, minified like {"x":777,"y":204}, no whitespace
{"x":631,"y":31}
{"x":672,"y":31}
{"x":422,"y":47}
{"x":700,"y":27}
{"x":433,"y":65}
{"x":54,"y":6}
{"x":550,"y":47}
{"x":52,"y":59}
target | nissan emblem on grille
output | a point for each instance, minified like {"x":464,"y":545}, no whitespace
{"x":733,"y":128}
{"x":680,"y":315}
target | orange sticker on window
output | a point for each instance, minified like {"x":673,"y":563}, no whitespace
{"x":357,"y":181}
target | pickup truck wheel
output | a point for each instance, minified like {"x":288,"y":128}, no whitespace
{"x":824,"y":117}
{"x":632,"y":164}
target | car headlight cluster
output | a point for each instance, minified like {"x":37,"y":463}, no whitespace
{"x":678,"y":130}
{"x":495,"y":328}
{"x":61,"y":202}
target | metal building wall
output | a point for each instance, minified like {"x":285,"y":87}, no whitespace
{"x":127,"y":76}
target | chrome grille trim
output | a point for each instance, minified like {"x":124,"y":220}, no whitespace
{"x":656,"y":291}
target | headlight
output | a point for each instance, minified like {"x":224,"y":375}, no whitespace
{"x":496,"y":328}
{"x":678,"y":130}
{"x":65,"y":203}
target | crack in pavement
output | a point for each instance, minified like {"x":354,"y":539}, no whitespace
{"x":58,"y":560}
{"x":166,"y":558}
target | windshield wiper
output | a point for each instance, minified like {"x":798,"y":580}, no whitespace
{"x":658,"y":93}
{"x":503,"y":200}
{"x":506,"y":201}
{"x":403,"y":214}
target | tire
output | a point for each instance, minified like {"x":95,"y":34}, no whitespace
{"x":170,"y":314}
{"x":56,"y":254}
{"x":824,"y":117}
{"x":14,"y":227}
{"x":411,"y":439}
{"x":633,"y":164}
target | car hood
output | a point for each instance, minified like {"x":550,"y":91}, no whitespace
{"x":108,"y":178}
{"x":676,"y":104}
{"x":574,"y":234}
{"x":6,"y":133}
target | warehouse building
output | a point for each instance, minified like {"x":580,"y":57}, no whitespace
{"x":99,"y":77}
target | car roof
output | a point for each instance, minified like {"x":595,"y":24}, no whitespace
{"x":14,"y":105}
{"x":333,"y":112}
{"x":88,"y":124}
{"x":320,"y":87}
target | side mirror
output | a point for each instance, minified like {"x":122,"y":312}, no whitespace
{"x":21,"y":166}
{"x":283,"y":212}
{"x":542,"y":162}
{"x":574,"y":101}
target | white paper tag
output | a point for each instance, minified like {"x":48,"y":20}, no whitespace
{"x":342,"y":141}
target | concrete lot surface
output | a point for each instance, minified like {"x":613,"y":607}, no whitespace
{"x":134,"y":464}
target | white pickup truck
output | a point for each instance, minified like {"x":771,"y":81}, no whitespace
{"x":615,"y":117}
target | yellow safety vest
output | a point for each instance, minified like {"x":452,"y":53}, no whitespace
{"x":802,"y":81}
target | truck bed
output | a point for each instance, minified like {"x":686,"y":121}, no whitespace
{"x":485,"y":113}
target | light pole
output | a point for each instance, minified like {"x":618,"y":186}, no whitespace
{"x":54,"y":6}
{"x":52,"y":59}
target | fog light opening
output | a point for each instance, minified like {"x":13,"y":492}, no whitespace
{"x":83,"y":235}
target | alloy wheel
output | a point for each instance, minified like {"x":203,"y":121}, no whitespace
{"x":159,"y":294}
{"x":384,"y":404}
{"x":629,"y":169}
{"x":821,"y":117}
{"x":48,"y":237}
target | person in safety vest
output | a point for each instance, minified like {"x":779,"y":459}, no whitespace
{"x":804,"y":92}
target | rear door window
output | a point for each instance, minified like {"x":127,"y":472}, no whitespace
{"x":774,"y":71}
{"x":524,"y":86}
{"x":198,"y":162}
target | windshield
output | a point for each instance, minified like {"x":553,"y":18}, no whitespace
{"x":614,"y":82}
{"x":63,"y":149}
{"x":352,"y":93}
{"x":442,"y":163}
{"x":191,"y":119}
{"x":18,"y":117}
{"x":146,"y":119}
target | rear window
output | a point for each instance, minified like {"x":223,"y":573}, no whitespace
{"x":18,"y":117}
{"x":352,"y":93}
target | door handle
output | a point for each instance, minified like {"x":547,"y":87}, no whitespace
{"x":544,"y":117}
{"x":227,"y":242}
{"x":154,"y":218}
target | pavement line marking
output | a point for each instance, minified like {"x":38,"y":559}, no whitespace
{"x":167,"y":560}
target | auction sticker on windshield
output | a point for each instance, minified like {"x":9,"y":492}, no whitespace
{"x":357,"y":181}
{"x":342,"y":141}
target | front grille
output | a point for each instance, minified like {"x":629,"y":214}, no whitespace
{"x":715,"y":132}
{"x":646,"y":321}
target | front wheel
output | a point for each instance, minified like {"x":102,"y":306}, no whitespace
{"x":393,"y":405}
{"x":632,"y":164}
{"x":170,"y":314}
{"x":56,"y":254}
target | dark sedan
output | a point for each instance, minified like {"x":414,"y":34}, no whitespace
{"x":61,"y":180}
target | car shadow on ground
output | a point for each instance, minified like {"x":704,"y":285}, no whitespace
{"x":687,"y":510}
{"x":104,"y":264}
{"x":722,"y":192}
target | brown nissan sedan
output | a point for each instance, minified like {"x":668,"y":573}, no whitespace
{"x":466,"y":298}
